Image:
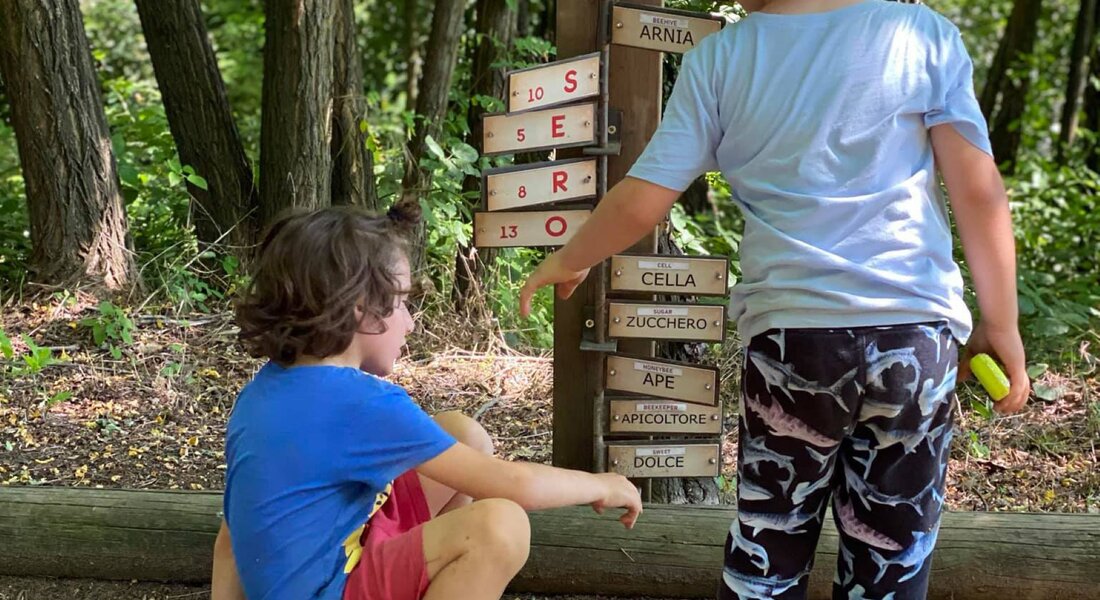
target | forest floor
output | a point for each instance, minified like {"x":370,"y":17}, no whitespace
{"x":152,"y":414}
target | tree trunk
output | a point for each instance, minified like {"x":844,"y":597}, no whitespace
{"x":415,"y":61}
{"x":1083,"y":43}
{"x":296,"y":126}
{"x":1004,"y":97}
{"x":673,"y":551}
{"x":1092,"y":107}
{"x":431,"y":107}
{"x":523,"y":18}
{"x":496,"y":23}
{"x":77,"y":218}
{"x":201,"y":121}
{"x":352,"y":168}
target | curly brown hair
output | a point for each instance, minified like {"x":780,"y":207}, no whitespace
{"x":313,"y":269}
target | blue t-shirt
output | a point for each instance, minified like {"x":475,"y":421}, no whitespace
{"x":820,"y":122}
{"x":312,"y":452}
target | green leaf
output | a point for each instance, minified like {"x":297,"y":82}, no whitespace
{"x":465,"y":152}
{"x":59,"y":397}
{"x":173,"y":178}
{"x":116,"y":352}
{"x":363,"y":126}
{"x":1036,"y":370}
{"x":1050,"y":327}
{"x":435,"y":148}
{"x":1048,"y":393}
{"x":197,"y":181}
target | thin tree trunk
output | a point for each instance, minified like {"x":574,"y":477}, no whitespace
{"x":1092,"y":106}
{"x":413,"y":17}
{"x":496,"y":23}
{"x":1011,"y":91}
{"x":201,"y":121}
{"x":431,"y":106}
{"x":296,"y":127}
{"x":523,"y":18}
{"x":77,"y":219}
{"x":352,"y":168}
{"x":1083,"y":43}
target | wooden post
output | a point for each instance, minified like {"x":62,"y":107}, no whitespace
{"x":634,"y":82}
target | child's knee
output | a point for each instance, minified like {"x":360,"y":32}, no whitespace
{"x":465,"y":430}
{"x":502,"y":530}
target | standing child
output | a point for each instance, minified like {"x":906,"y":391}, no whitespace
{"x":339,"y":486}
{"x":829,"y":119}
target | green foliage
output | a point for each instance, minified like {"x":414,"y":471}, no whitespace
{"x":35,"y":359}
{"x":110,"y":326}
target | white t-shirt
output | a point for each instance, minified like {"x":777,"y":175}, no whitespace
{"x":820,"y":124}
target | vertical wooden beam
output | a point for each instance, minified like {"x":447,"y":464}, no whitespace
{"x":635,"y":88}
{"x":575,"y":372}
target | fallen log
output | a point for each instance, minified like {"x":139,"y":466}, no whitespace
{"x":675,"y":551}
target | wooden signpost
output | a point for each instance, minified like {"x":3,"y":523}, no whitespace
{"x":604,"y":97}
{"x":540,"y":183}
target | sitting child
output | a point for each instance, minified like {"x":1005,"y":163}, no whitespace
{"x":339,"y":485}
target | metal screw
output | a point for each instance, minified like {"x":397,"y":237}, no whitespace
{"x":616,"y":417}
{"x":615,"y":462}
{"x":586,"y":179}
{"x":707,"y":386}
{"x":490,"y":134}
{"x":515,"y":92}
{"x":611,"y":372}
{"x":617,"y":319}
{"x":717,"y":323}
{"x":718,"y":275}
{"x":493,"y":193}
{"x":618,"y":272}
{"x":618,"y":25}
{"x":592,"y":75}
{"x":587,"y":123}
{"x":713,"y":461}
{"x":589,"y":323}
{"x":481,"y":230}
{"x":714,"y":417}
{"x":611,"y":129}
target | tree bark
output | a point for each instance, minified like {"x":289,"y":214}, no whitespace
{"x":496,"y":24}
{"x":1092,"y":106}
{"x":413,"y":17}
{"x":352,"y":167}
{"x":431,"y":107}
{"x":201,"y":121}
{"x":296,"y":126}
{"x":78,"y":226}
{"x":673,"y":551}
{"x":1004,"y":97}
{"x":1084,"y":40}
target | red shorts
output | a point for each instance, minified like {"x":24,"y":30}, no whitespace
{"x":392,"y":565}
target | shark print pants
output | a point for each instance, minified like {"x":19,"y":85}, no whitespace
{"x":857,"y":418}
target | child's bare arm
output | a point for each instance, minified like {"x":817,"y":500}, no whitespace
{"x":532,"y":486}
{"x":632,"y":208}
{"x":980,"y":204}
{"x":225,"y":584}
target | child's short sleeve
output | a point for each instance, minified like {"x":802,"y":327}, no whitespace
{"x":387,"y":434}
{"x":684,"y":146}
{"x":953,"y":99}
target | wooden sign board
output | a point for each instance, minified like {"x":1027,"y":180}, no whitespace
{"x":540,"y":183}
{"x":537,"y":228}
{"x":660,"y":29}
{"x":651,"y":415}
{"x":668,"y":459}
{"x":562,"y":127}
{"x":667,"y":321}
{"x":554,"y":83}
{"x":697,"y":276}
{"x":662,"y":378}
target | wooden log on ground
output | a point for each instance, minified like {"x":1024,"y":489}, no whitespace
{"x":675,"y":551}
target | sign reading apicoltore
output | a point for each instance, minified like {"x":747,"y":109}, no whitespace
{"x":561,"y":127}
{"x":540,"y":183}
{"x":670,"y":459}
{"x":696,"y":276}
{"x":668,"y":321}
{"x":662,"y":378}
{"x":651,"y":415}
{"x":554,"y":83}
{"x":660,"y":29}
{"x":535,"y":228}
